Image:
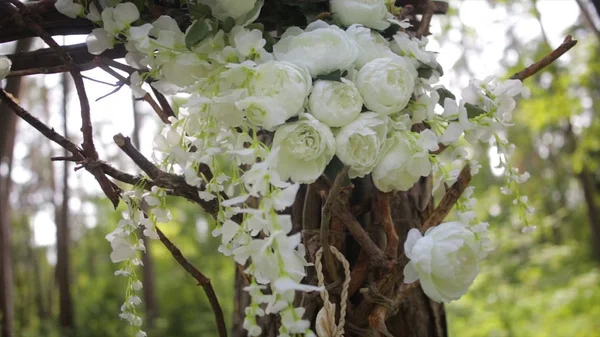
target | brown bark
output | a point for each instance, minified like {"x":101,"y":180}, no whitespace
{"x":63,"y":236}
{"x":149,"y":291}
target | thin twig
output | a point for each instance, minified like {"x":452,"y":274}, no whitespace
{"x":567,"y":44}
{"x":385,"y":215}
{"x":159,"y":111}
{"x":333,"y":195}
{"x":164,"y":179}
{"x":164,"y":103}
{"x":202,"y":280}
{"x":49,"y":133}
{"x":100,"y":81}
{"x":449,"y":199}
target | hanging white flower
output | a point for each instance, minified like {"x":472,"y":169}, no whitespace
{"x":445,"y":260}
{"x":335,"y":103}
{"x":5,"y":65}
{"x":98,"y":41}
{"x":119,"y":18}
{"x":69,"y":8}
{"x":122,"y":249}
{"x":305,"y":148}
{"x":413,"y":49}
{"x":320,"y":47}
{"x":370,"y":13}
{"x":386,"y":84}
{"x":359,"y":143}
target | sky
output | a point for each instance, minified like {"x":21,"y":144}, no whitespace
{"x":113,"y":114}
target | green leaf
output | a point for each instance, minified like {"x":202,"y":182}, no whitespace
{"x":389,"y":32}
{"x":333,"y":76}
{"x":474,"y":110}
{"x":199,"y":30}
{"x":333,"y":168}
{"x":425,"y":72}
{"x":228,"y":25}
{"x":270,"y":41}
{"x":444,"y":93}
{"x":439,"y":69}
{"x":198,"y":11}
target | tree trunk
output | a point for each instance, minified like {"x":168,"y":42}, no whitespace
{"x":8,"y":121}
{"x":148,"y":267}
{"x":416,"y":315}
{"x":63,"y":236}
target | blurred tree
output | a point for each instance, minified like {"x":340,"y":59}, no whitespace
{"x":63,"y":236}
{"x":8,"y":121}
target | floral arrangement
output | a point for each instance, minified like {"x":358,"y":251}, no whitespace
{"x":267,"y":110}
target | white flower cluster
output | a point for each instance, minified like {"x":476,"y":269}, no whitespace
{"x":348,"y":90}
{"x":126,"y":244}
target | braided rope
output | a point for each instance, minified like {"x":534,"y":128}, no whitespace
{"x":338,"y":329}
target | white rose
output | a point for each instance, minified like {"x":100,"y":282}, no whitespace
{"x":358,"y":144}
{"x":305,"y":148}
{"x":5,"y":64}
{"x":445,"y":260}
{"x":386,"y":84}
{"x":335,"y":103}
{"x":69,"y":8}
{"x":370,"y":13}
{"x":235,"y":9}
{"x":403,"y":163}
{"x":277,"y":92}
{"x":321,"y":48}
{"x":371,"y":45}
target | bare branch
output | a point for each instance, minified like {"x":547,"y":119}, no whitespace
{"x":202,"y":280}
{"x":567,"y":44}
{"x":46,"y":61}
{"x":334,"y":192}
{"x":385,"y":217}
{"x":426,"y":20}
{"x":449,"y":199}
{"x":376,"y":255}
{"x":164,"y":179}
{"x":159,"y":111}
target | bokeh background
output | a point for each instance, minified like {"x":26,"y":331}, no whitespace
{"x":544,"y":283}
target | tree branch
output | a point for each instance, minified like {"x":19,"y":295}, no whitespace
{"x":164,"y":179}
{"x":50,"y":20}
{"x":567,"y":44}
{"x":47,"y":61}
{"x":449,"y":199}
{"x":385,"y":217}
{"x":89,"y":149}
{"x":376,"y":255}
{"x":202,"y":280}
{"x":426,"y":20}
{"x":332,"y":197}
